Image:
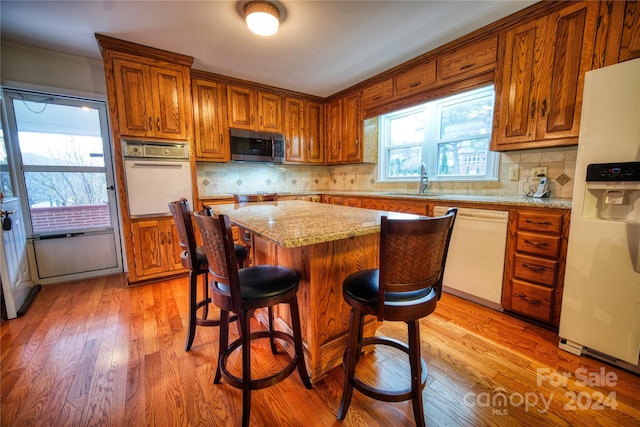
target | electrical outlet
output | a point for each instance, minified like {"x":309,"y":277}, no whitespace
{"x":538,"y":170}
{"x":513,"y":173}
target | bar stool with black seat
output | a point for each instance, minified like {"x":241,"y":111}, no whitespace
{"x":405,"y":287}
{"x":247,"y":239}
{"x":194,"y":259}
{"x":242,"y":291}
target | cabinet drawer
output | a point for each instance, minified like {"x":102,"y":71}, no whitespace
{"x":475,"y":58}
{"x":537,"y":270}
{"x":416,"y":80}
{"x":531,"y":300}
{"x":538,"y":244}
{"x":378,"y":93}
{"x":549,"y":223}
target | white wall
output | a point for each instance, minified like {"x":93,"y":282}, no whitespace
{"x":34,"y":68}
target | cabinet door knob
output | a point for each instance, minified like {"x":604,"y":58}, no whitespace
{"x":150,"y":123}
{"x":544,"y":107}
{"x":533,"y":108}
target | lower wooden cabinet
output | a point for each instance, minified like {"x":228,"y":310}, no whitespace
{"x":535,"y":263}
{"x":156,"y":249}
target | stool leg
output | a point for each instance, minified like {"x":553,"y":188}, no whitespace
{"x":297,"y":339}
{"x":272,"y":340}
{"x":223,"y":343}
{"x":350,"y":360}
{"x":245,"y":318}
{"x":205,"y":295}
{"x":416,"y":371}
{"x":193,"y":279}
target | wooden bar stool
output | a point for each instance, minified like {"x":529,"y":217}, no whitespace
{"x":194,"y":259}
{"x":404,"y":288}
{"x":242,"y":291}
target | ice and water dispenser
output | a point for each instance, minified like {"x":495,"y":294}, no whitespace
{"x":613,"y":194}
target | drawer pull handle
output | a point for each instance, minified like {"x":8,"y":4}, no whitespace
{"x":530,"y":300}
{"x":414,"y":84}
{"x":542,"y":244}
{"x":530,"y":221}
{"x":377,"y":98}
{"x":536,"y":268}
{"x":464,"y":67}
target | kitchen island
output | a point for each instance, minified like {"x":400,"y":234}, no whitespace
{"x":324,"y":243}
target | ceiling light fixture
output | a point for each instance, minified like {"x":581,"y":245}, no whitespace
{"x":263,"y":17}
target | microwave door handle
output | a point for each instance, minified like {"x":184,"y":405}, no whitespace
{"x":273,"y":148}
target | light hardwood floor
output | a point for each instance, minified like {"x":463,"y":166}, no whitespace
{"x":95,"y":352}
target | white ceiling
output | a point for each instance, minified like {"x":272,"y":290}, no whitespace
{"x":321,"y":48}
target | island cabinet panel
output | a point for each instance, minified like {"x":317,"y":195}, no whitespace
{"x":152,"y":97}
{"x":541,"y":79}
{"x":211,"y":133}
{"x":324,"y":314}
{"x":535,"y":264}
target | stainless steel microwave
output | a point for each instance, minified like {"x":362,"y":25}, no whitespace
{"x":250,"y":146}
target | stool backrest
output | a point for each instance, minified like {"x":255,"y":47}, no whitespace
{"x":186,"y":235}
{"x":413,"y":253}
{"x":249,"y":198}
{"x":221,"y":257}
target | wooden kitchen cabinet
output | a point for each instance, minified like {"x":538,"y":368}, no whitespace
{"x":416,"y":207}
{"x":156,"y":248}
{"x":344,"y":129}
{"x":541,"y":79}
{"x":211,"y":133}
{"x":152,"y":98}
{"x":535,"y":264}
{"x":254,"y":110}
{"x":417,"y":79}
{"x":630,"y":38}
{"x":472,"y":59}
{"x":377,"y":94}
{"x":303,"y":131}
{"x":354,"y":202}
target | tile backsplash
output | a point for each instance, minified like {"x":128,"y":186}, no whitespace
{"x":228,"y":178}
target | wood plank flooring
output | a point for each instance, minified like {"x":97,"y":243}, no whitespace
{"x":95,"y":352}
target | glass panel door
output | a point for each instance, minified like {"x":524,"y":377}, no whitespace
{"x":63,"y":149}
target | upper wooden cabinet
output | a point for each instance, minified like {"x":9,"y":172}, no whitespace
{"x":630,"y":38}
{"x":344,"y":129}
{"x":541,"y":79}
{"x":211,"y":134}
{"x":303,"y":130}
{"x":467,"y":61}
{"x":254,"y":110}
{"x":472,"y":59}
{"x":152,"y":97}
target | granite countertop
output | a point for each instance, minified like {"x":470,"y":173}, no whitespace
{"x":479,"y":199}
{"x":295,"y":223}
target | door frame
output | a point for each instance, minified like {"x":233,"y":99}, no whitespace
{"x":11,"y":135}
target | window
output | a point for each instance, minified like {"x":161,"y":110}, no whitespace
{"x":61,"y":146}
{"x":450,"y":136}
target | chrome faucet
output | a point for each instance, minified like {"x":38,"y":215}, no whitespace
{"x":424,"y":179}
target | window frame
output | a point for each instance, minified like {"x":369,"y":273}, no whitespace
{"x":429,"y":152}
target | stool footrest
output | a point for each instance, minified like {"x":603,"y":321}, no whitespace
{"x":257,"y":384}
{"x":388,"y":395}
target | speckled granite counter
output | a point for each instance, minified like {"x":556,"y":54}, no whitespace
{"x":478,"y":199}
{"x":296,"y":223}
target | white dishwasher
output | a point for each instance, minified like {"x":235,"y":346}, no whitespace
{"x":475,"y":261}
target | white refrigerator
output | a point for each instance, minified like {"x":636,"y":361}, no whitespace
{"x":601,"y":302}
